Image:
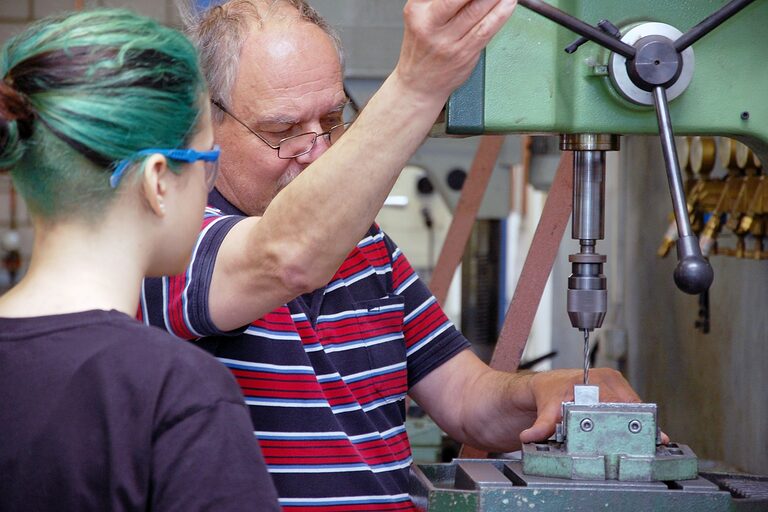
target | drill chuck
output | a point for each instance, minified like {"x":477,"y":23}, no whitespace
{"x":587,"y":299}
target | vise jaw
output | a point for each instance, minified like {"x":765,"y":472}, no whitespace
{"x":608,"y":441}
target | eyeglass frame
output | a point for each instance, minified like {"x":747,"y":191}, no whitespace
{"x":276,"y":147}
{"x":181,"y":155}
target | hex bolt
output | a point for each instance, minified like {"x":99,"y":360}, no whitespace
{"x":635,"y":426}
{"x":586,"y":425}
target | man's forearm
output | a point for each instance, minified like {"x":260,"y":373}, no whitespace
{"x":327,"y":209}
{"x":312,"y":224}
{"x":477,"y":405}
{"x":496,"y":409}
{"x":341,"y":193}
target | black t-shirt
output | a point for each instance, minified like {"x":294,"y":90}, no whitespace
{"x":99,"y":412}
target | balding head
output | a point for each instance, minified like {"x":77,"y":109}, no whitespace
{"x":220,"y":32}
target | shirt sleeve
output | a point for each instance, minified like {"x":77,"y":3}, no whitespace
{"x":205,"y":455}
{"x":430,"y":337}
{"x":179,"y":304}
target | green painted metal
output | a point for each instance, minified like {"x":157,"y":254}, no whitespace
{"x":467,"y":116}
{"x":425,"y":438}
{"x":533,"y":86}
{"x":605,"y":441}
{"x":443,"y":487}
{"x":610,"y":434}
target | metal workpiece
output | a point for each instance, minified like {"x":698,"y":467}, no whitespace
{"x":586,"y":395}
{"x":702,"y":155}
{"x":500,"y":485}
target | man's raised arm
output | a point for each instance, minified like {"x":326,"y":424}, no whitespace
{"x":313,"y":223}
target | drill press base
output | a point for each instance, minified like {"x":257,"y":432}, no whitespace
{"x":490,"y":485}
{"x":604,"y":456}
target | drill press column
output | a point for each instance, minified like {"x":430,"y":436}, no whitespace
{"x":587,"y":293}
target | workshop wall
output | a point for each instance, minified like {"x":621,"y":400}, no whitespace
{"x":371,"y":30}
{"x":14,"y":16}
{"x":711,"y":388}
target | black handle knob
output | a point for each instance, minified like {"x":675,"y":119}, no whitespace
{"x":693,"y":273}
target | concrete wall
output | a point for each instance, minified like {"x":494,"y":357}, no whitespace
{"x":371,"y":31}
{"x":14,"y":16}
{"x":712,"y":389}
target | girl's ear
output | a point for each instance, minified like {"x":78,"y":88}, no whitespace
{"x":155,"y":182}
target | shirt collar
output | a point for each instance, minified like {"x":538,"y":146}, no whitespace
{"x":218,"y":201}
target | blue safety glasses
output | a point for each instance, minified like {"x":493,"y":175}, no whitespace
{"x":211,"y":159}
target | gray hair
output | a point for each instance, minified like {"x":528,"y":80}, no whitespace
{"x":220,"y":32}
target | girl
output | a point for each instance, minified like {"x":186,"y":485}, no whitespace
{"x":105,"y":129}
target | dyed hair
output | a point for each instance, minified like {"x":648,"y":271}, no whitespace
{"x":219,"y":33}
{"x":82,"y":91}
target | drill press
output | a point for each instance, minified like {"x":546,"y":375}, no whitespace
{"x":631,"y":77}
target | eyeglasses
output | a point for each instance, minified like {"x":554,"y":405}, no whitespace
{"x":295,"y":145}
{"x":211,"y":159}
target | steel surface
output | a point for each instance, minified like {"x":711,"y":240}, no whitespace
{"x":530,"y":85}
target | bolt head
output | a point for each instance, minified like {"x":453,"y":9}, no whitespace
{"x":635,"y":426}
{"x":586,"y":425}
{"x":656,"y":63}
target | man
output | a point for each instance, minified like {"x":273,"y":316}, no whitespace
{"x":326,"y":374}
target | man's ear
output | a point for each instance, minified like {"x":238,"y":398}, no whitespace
{"x":154,"y":182}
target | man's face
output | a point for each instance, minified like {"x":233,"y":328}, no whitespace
{"x":289,"y":82}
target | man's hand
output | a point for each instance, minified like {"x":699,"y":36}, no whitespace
{"x":494,"y":410}
{"x":443,"y":40}
{"x":550,"y":389}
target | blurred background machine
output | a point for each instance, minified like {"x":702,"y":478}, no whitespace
{"x":631,"y":74}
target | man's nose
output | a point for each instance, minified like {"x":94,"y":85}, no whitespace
{"x":321,"y":146}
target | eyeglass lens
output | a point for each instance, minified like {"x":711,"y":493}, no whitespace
{"x":303,"y":143}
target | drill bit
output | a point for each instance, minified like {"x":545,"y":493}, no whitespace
{"x":586,"y":356}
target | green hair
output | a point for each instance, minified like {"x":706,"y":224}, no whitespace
{"x":81,"y":92}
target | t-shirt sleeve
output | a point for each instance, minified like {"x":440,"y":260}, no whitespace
{"x":430,"y":337}
{"x":179,"y":304}
{"x":205,"y":455}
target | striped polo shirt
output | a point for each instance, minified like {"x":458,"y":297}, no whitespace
{"x":325,"y":376}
